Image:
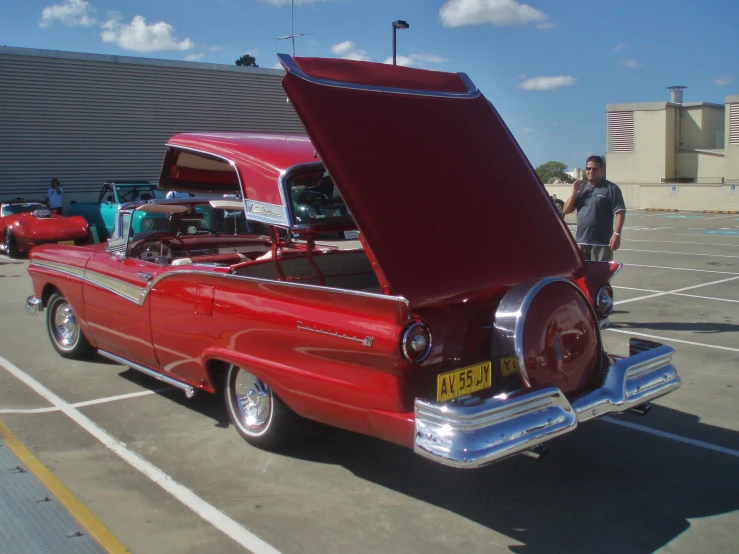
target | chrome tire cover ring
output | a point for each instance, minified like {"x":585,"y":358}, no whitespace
{"x":66,"y":330}
{"x":252,"y":403}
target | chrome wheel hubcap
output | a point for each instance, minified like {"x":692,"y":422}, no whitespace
{"x":67,"y":330}
{"x":253,"y":401}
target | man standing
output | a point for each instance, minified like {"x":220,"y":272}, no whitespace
{"x":54,"y":196}
{"x":598,"y":203}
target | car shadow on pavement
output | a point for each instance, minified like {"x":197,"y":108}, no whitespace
{"x":697,"y":327}
{"x":603,"y":489}
{"x":210,"y":405}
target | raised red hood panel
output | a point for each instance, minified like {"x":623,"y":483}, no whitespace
{"x":441,"y":191}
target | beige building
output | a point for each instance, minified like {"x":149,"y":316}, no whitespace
{"x":673,"y":155}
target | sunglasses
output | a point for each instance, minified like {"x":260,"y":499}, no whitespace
{"x":592,"y":168}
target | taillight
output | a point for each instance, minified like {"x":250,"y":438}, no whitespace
{"x":604,"y":301}
{"x":416,"y":342}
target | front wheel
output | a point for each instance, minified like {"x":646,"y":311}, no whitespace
{"x":259,"y":416}
{"x":11,"y":247}
{"x":64,"y":329}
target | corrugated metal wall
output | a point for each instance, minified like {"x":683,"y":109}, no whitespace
{"x":87,"y":118}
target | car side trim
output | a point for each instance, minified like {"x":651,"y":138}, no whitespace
{"x":138,"y":294}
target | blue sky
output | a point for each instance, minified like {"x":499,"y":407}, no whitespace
{"x":549,"y":66}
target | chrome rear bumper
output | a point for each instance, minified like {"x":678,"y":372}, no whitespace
{"x":34,"y":305}
{"x":484,"y":431}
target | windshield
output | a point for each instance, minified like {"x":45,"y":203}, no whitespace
{"x":11,"y":209}
{"x":316,"y":202}
{"x":142,"y":193}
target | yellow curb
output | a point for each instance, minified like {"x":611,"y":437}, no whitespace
{"x":721,"y":211}
{"x":660,"y":209}
{"x":79,"y":511}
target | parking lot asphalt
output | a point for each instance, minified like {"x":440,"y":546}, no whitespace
{"x":166,"y":474}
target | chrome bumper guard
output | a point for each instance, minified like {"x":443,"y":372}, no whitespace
{"x":34,"y":305}
{"x":476,"y":433}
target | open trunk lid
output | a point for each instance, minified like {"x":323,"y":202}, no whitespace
{"x":438,"y":186}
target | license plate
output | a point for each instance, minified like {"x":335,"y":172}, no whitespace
{"x":66,"y":242}
{"x":464,"y":381}
{"x":508,"y":365}
{"x":351,"y":235}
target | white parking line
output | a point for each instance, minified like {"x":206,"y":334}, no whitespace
{"x":683,"y":242}
{"x":682,"y":253}
{"x":706,"y":235}
{"x":676,"y":290}
{"x":721,"y":217}
{"x":206,"y":511}
{"x":683,"y":269}
{"x":680,"y":294}
{"x":671,"y":436}
{"x":666,"y":339}
{"x":86,"y":402}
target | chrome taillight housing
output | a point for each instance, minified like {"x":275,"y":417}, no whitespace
{"x":416,"y":342}
{"x":604,"y":301}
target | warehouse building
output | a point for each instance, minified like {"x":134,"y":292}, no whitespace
{"x":89,"y":118}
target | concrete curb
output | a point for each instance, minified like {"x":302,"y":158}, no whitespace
{"x":721,"y":211}
{"x":660,"y":209}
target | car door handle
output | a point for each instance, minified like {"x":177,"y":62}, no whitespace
{"x":144,"y":276}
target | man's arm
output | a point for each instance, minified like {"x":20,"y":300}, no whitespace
{"x":615,"y":242}
{"x":569,"y":206}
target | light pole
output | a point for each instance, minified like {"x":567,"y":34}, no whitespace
{"x":399,"y":24}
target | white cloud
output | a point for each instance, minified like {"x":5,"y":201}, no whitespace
{"x":349,"y":51}
{"x":632,"y":64}
{"x":215,"y":48}
{"x":194,"y":57}
{"x":620,"y":46}
{"x":548,"y":83}
{"x":140,"y":37}
{"x":723,"y":80}
{"x":554,"y":123}
{"x":415,"y":60}
{"x":456,"y":13}
{"x":72,"y":13}
{"x":529,"y":130}
{"x":544,"y":26}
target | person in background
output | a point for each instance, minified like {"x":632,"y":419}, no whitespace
{"x":54,"y":196}
{"x":600,"y":212}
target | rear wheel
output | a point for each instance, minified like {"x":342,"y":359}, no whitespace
{"x":11,"y":247}
{"x":259,"y":416}
{"x":64,"y":329}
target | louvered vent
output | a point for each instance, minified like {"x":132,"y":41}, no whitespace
{"x":620,"y":131}
{"x":733,"y":123}
{"x":89,"y":118}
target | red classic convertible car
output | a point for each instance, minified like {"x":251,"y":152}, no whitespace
{"x":467,"y":350}
{"x":25,"y":224}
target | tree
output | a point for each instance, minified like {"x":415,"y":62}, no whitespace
{"x":247,"y":61}
{"x":552,"y":172}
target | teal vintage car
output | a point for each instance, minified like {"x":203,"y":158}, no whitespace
{"x":101,"y":214}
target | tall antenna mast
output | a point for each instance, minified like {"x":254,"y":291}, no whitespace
{"x":293,"y":34}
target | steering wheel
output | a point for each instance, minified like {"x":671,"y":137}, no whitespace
{"x":165,"y":248}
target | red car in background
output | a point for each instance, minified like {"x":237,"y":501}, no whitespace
{"x":25,"y":224}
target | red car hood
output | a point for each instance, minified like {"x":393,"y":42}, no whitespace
{"x":54,"y":227}
{"x":438,"y":186}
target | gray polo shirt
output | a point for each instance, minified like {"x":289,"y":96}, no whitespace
{"x":596,"y":207}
